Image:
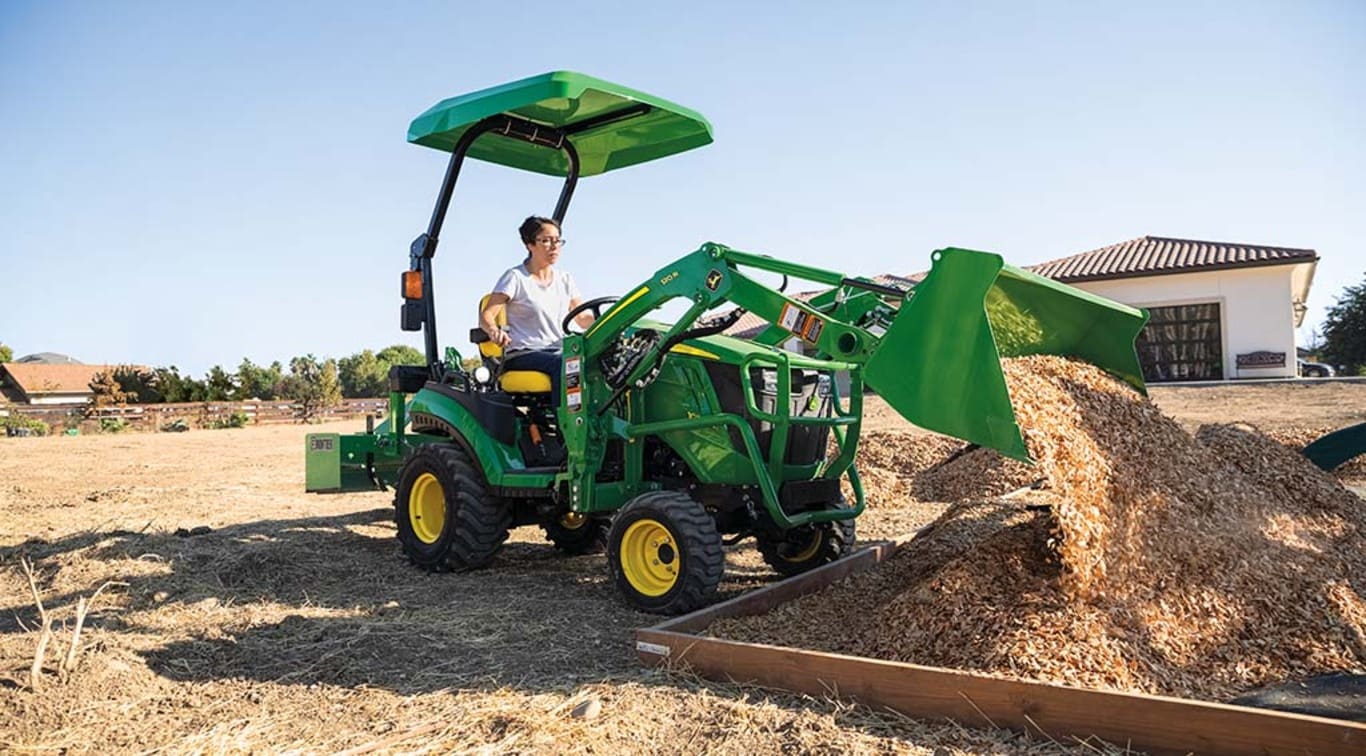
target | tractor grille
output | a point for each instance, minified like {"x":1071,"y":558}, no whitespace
{"x":810,"y":398}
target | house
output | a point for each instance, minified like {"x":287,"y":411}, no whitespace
{"x":45,"y":383}
{"x":1217,"y":310}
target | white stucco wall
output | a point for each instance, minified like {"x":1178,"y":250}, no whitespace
{"x":1255,"y":305}
{"x":67,"y":398}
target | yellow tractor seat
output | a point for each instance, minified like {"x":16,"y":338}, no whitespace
{"x":524,"y":382}
{"x":512,"y":381}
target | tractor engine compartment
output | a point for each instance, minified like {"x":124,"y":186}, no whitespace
{"x":810,"y":397}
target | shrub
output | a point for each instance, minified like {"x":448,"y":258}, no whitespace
{"x":113,"y":425}
{"x":238,"y":419}
{"x":18,"y":425}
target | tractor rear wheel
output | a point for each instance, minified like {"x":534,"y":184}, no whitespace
{"x":447,"y":518}
{"x":808,"y":547}
{"x":575,"y":533}
{"x":664,"y":553}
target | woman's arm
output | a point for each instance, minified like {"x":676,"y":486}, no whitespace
{"x":488,"y":319}
{"x":584,"y":319}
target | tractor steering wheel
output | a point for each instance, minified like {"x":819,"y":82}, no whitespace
{"x":595,"y":305}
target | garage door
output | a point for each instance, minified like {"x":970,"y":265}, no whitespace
{"x":1182,"y":343}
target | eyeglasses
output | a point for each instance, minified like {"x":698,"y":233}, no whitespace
{"x":550,"y":241}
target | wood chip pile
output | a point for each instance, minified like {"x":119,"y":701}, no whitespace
{"x":976,"y":474}
{"x":1163,"y":564}
{"x":1298,"y":438}
{"x":889,"y":462}
{"x":982,"y":473}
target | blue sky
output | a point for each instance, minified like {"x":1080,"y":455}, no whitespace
{"x":194,"y":183}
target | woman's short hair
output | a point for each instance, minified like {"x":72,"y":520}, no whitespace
{"x":531,"y":227}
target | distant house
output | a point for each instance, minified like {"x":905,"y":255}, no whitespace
{"x":1217,"y":310}
{"x":49,"y":358}
{"x":42,"y":383}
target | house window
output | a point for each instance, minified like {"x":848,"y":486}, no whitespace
{"x":1182,"y":343}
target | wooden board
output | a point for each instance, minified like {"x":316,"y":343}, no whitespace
{"x":1154,"y":723}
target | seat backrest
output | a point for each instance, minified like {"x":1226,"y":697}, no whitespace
{"x":524,"y":382}
{"x":491,"y":349}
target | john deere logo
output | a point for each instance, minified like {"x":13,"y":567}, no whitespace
{"x":713,"y":279}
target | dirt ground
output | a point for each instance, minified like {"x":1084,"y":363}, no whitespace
{"x":294,"y":623}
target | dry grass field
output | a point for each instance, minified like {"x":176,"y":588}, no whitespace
{"x":226,"y":611}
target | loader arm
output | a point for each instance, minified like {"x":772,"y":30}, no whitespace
{"x":709,"y":278}
{"x":933,"y":353}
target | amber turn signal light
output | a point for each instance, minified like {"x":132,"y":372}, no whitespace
{"x":412,"y":284}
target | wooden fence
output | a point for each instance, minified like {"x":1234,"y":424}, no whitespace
{"x":155,"y":417}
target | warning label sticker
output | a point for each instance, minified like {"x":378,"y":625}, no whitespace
{"x":802,"y":324}
{"x":813,"y":330}
{"x":573,"y":399}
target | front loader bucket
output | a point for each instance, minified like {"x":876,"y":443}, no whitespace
{"x":939,"y":364}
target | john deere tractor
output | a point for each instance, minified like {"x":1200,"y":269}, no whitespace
{"x":668,"y":441}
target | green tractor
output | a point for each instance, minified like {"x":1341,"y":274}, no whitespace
{"x":669,"y":441}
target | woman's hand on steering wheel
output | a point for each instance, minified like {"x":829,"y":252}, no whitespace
{"x":595,"y":305}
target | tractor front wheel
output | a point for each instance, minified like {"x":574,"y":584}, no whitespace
{"x":664,"y":553}
{"x":575,"y":533}
{"x":447,"y":518}
{"x":808,"y":547}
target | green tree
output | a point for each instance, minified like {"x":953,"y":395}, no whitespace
{"x":177,"y":388}
{"x":256,"y":382}
{"x":219,"y":385}
{"x":6,"y":354}
{"x":363,"y":375}
{"x":400,"y":354}
{"x":138,"y":384}
{"x":1344,"y":330}
{"x":312,"y":384}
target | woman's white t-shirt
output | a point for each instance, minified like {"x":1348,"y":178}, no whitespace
{"x":536,"y":312}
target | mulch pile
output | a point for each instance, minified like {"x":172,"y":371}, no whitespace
{"x":1162,"y":564}
{"x":976,"y":474}
{"x":983,"y":473}
{"x":890,"y":463}
{"x":1298,"y":438}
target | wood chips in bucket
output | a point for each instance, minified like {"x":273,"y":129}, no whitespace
{"x":1162,"y":563}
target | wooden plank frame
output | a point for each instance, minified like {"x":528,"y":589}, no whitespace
{"x":1157,"y":724}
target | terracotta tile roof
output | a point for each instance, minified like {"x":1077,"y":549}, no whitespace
{"x":36,"y":378}
{"x":1158,"y":255}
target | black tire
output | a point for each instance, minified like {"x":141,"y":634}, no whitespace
{"x":808,"y":547}
{"x":577,"y":534}
{"x":676,"y":576}
{"x":447,"y":518}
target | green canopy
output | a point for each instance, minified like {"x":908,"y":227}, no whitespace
{"x":649,"y":127}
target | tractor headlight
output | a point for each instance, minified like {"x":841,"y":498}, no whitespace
{"x":482,"y":375}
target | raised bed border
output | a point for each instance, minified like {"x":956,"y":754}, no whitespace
{"x":1158,"y":724}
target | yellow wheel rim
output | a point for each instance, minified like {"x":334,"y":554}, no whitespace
{"x":650,"y":558}
{"x":427,"y":508}
{"x":801,"y":556}
{"x":573,"y":520}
